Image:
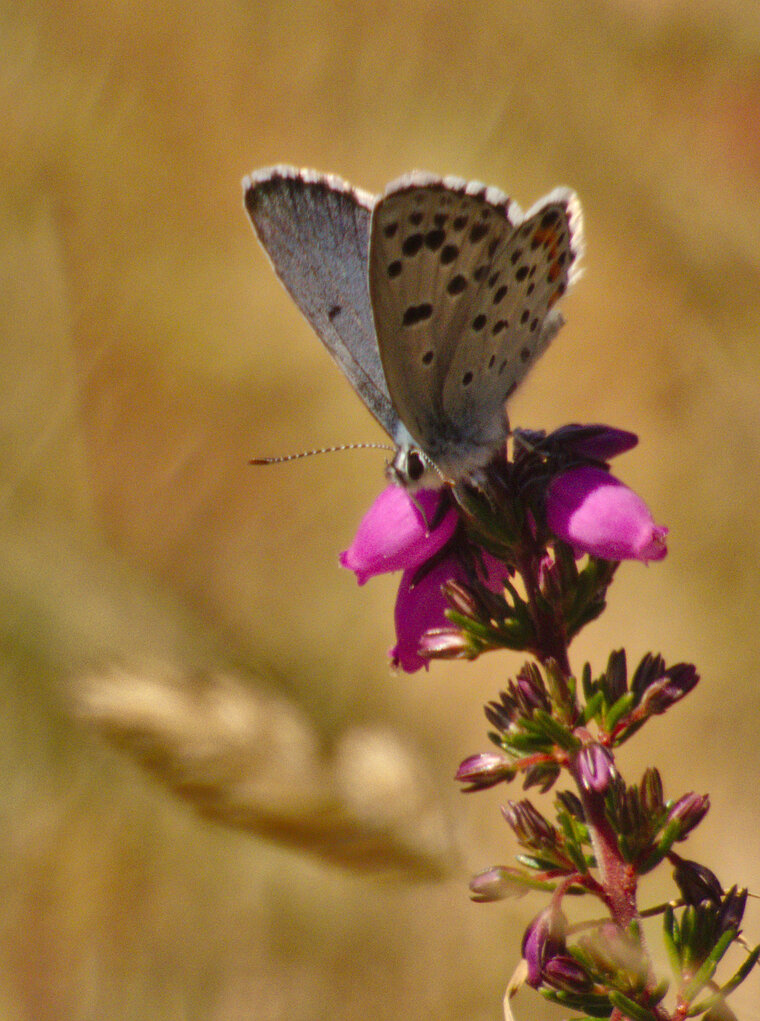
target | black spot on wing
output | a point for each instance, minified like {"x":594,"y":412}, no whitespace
{"x":448,"y":254}
{"x":417,"y":314}
{"x":412,"y":245}
{"x":434,"y":239}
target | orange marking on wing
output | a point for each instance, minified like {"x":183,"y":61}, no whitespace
{"x":546,"y":236}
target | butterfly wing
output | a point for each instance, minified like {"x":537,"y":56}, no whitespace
{"x":463,"y":289}
{"x":315,"y":230}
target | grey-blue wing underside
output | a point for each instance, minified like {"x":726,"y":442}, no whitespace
{"x":315,"y":230}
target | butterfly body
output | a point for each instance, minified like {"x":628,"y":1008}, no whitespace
{"x":435,"y":299}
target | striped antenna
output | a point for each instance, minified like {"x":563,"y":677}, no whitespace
{"x":321,"y":450}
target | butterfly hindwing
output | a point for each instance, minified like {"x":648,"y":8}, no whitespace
{"x":315,"y":229}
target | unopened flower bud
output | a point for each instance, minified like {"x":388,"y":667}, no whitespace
{"x":565,"y":973}
{"x":732,"y":910}
{"x":697,"y":883}
{"x":444,"y":643}
{"x":530,"y":827}
{"x":670,"y":688}
{"x":600,"y":442}
{"x":688,"y":812}
{"x":496,"y":884}
{"x":484,"y":770}
{"x":596,"y":768}
{"x":530,"y":687}
{"x":652,"y":796}
{"x":460,"y":598}
{"x":543,"y":939}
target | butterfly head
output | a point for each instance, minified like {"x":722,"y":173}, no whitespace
{"x":412,"y":469}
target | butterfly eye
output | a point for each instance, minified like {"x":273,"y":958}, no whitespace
{"x":415,"y":466}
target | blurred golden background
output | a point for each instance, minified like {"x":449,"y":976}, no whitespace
{"x":159,"y":591}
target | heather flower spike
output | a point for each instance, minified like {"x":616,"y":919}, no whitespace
{"x":521,"y":557}
{"x":554,"y":502}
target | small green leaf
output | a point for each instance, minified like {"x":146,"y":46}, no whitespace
{"x":741,"y":973}
{"x":688,"y":930}
{"x":595,"y":1006}
{"x":709,"y":965}
{"x":560,"y":735}
{"x":631,"y":1010}
{"x":672,"y":936}
{"x":590,"y":687}
{"x":667,"y":838}
{"x":725,"y":990}
{"x":650,"y":861}
{"x":519,"y":744}
{"x":623,"y":705}
{"x":593,"y":706}
{"x":576,"y":855}
{"x":540,"y":864}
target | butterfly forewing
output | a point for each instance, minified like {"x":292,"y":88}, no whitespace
{"x":432,"y":242}
{"x":462,"y":290}
{"x":514,"y":309}
{"x":315,"y":229}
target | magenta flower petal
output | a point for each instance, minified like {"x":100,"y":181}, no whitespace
{"x":601,"y":442}
{"x":393,"y":535}
{"x":595,"y":513}
{"x":420,"y":607}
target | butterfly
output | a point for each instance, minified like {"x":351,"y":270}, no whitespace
{"x":435,"y":299}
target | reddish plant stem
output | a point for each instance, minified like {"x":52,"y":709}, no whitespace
{"x":618,"y":879}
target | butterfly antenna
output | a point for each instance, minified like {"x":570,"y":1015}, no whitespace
{"x":431,"y":464}
{"x":321,"y":450}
